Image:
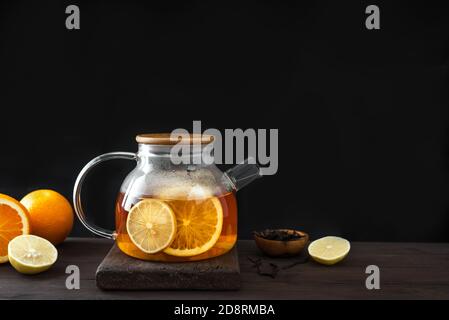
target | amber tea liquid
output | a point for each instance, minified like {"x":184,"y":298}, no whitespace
{"x":226,"y":241}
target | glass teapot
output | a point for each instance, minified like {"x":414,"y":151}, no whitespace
{"x":170,"y":210}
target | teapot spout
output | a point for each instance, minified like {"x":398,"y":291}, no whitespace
{"x":243,"y":174}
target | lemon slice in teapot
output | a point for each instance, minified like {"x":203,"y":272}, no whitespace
{"x":151,"y":225}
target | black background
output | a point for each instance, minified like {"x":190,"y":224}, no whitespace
{"x":362,"y":114}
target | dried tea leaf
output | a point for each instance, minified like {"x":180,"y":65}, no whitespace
{"x":270,"y":269}
{"x":279,"y":235}
{"x":265,"y":268}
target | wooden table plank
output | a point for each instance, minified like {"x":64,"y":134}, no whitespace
{"x":408,"y":271}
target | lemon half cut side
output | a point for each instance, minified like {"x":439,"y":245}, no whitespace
{"x":31,"y":254}
{"x":329,"y":250}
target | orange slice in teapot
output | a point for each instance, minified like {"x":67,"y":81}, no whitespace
{"x":151,"y":225}
{"x":199,"y":224}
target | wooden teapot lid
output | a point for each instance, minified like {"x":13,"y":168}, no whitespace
{"x":165,"y":138}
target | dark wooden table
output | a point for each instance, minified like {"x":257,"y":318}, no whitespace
{"x":407,"y":271}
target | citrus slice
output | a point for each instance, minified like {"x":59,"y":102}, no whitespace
{"x":14,"y":221}
{"x":31,"y":254}
{"x":199,"y":226}
{"x":329,"y":250}
{"x":151,"y":225}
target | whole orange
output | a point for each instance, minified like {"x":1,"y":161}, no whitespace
{"x":51,"y":215}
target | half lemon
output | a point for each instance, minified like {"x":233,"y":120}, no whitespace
{"x":30,"y":254}
{"x":329,"y":250}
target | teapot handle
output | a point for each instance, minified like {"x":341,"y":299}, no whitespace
{"x":79,"y":183}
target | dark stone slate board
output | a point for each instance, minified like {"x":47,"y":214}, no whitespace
{"x":121,"y":272}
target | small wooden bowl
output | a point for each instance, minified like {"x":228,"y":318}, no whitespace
{"x":278,"y":248}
